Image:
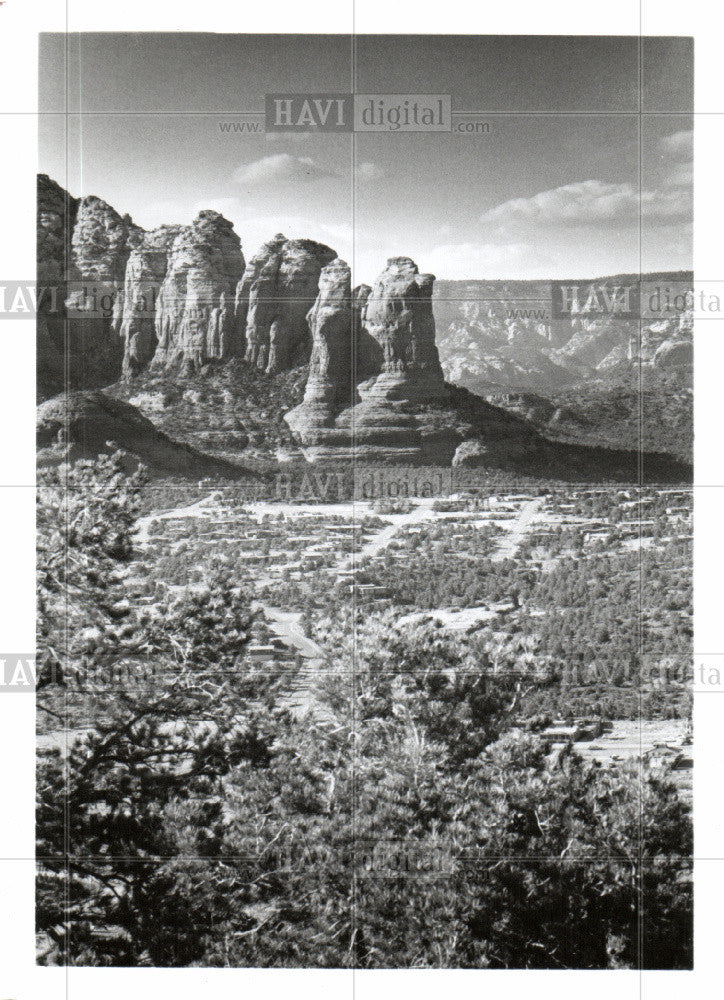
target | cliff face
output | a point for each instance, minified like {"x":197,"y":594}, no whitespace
{"x":398,"y":316}
{"x":124,"y":299}
{"x":503,"y":336}
{"x":156,"y":307}
{"x":379,"y":343}
{"x":329,"y":385}
{"x":100,"y":246}
{"x":57,"y":212}
{"x":100,"y":241}
{"x":195,"y":308}
{"x":179,"y":296}
{"x":56,"y":218}
{"x":82,"y":249}
{"x":330,"y":323}
{"x":368,"y":352}
{"x":145,"y":272}
{"x":273,"y":298}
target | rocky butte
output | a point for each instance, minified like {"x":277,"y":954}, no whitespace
{"x":56,"y":218}
{"x":145,"y":272}
{"x":273,"y":298}
{"x":177,"y":297}
{"x":343,"y":353}
{"x":398,"y":411}
{"x":82,"y":249}
{"x":195,"y":321}
{"x":214,"y":348}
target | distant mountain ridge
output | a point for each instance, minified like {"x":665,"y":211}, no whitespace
{"x":502,"y":336}
{"x":283,"y":359}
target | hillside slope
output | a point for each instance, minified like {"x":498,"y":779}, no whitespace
{"x":84,"y":424}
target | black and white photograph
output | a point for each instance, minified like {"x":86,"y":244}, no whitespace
{"x":364,"y":504}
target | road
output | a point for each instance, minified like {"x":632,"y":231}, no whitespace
{"x":517,"y":529}
{"x":285,"y":624}
{"x":189,"y":510}
{"x":420,"y":512}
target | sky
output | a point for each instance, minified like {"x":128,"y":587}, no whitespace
{"x":585,"y":167}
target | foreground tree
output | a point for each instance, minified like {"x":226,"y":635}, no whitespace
{"x":201,"y":818}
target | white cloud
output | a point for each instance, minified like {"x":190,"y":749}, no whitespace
{"x":679,"y":175}
{"x":280,"y":167}
{"x":673,"y":204}
{"x":369,"y":172}
{"x":679,"y":144}
{"x":588,"y":203}
{"x":597,"y":203}
{"x":677,"y":152}
{"x":582,"y":202}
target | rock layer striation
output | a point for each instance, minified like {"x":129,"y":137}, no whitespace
{"x":194,"y":320}
{"x":279,"y":287}
{"x":145,"y":273}
{"x":389,"y":362}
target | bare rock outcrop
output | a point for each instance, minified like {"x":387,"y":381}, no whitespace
{"x":100,"y":241}
{"x":368,"y":352}
{"x":394,"y":371}
{"x":377,"y":346}
{"x":57,"y":212}
{"x":55,"y":221}
{"x":99,"y":252}
{"x":174,"y":298}
{"x":330,"y":323}
{"x":145,"y":272}
{"x":272,"y":300}
{"x":120,"y":299}
{"x":195,"y":307}
{"x":82,"y":251}
{"x":398,"y":315}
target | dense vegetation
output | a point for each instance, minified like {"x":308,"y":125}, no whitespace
{"x":223,"y":410}
{"x":405,"y":820}
{"x":614,"y":411}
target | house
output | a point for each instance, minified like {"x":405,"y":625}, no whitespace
{"x":259,"y":652}
{"x":559,"y":732}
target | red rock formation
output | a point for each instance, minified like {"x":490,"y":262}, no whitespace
{"x":394,"y":334}
{"x":82,"y":253}
{"x":194,"y":312}
{"x":272,"y":301}
{"x":145,"y":272}
{"x":329,"y":385}
{"x":56,"y":219}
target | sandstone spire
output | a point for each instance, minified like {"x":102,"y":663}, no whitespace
{"x":272,"y":301}
{"x":194,"y":314}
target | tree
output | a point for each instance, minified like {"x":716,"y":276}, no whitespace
{"x":401,"y":820}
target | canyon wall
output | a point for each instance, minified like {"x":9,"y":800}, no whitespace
{"x":194,"y":321}
{"x":272,"y":301}
{"x":503,"y":336}
{"x":375,"y":369}
{"x":125,"y":301}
